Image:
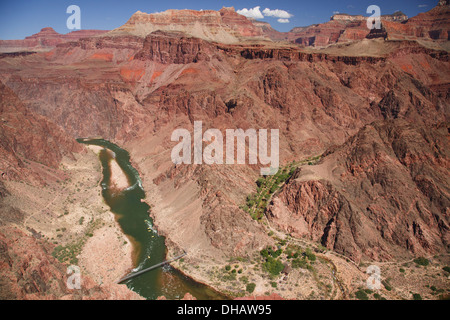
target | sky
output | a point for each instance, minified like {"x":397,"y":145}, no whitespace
{"x":22,"y":18}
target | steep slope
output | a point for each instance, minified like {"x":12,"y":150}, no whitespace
{"x":434,"y":23}
{"x":384,"y":194}
{"x":145,"y":89}
{"x":25,"y":135}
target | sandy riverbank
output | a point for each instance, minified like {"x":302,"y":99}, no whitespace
{"x":108,"y":254}
{"x":119,"y":180}
{"x":70,"y":213}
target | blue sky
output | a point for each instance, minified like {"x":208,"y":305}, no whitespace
{"x":21,"y":18}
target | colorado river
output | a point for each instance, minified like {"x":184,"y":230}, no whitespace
{"x":149,"y":248}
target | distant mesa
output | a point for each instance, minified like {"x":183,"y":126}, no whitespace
{"x":397,"y":16}
{"x":224,"y":26}
{"x":342,"y":28}
{"x":45,"y":40}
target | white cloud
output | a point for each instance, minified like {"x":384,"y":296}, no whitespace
{"x":251,"y":13}
{"x":255,"y":13}
{"x":277,"y":13}
{"x":422,"y":5}
{"x":335,"y":12}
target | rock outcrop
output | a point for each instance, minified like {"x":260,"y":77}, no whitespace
{"x":170,"y":47}
{"x":433,"y":24}
{"x":28,"y":136}
{"x":342,"y":28}
{"x":224,"y":26}
{"x":383,"y":194}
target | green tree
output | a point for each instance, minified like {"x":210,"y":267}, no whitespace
{"x":250,"y":287}
{"x":260,"y":182}
{"x":422,"y":261}
{"x":417,"y":296}
{"x":273,"y":266}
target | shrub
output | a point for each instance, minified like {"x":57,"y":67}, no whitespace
{"x":273,"y":266}
{"x":229,"y":277}
{"x":250,"y":287}
{"x":361,"y":295}
{"x":446,"y":268}
{"x":417,"y":296}
{"x":386,"y":285}
{"x":422,"y":261}
{"x":311,"y":256}
{"x":299,"y":263}
{"x":260,"y":182}
{"x":228,"y":267}
{"x":264,"y":253}
{"x":273,"y":284}
{"x":269,"y":252}
{"x":244,"y":279}
{"x":251,"y":200}
{"x":402,"y":270}
{"x":277,"y":253}
{"x":289,"y":254}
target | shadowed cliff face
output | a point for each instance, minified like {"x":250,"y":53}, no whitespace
{"x":377,"y":107}
{"x":28,"y":136}
{"x":382,"y":194}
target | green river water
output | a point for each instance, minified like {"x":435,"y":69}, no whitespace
{"x":149,"y":248}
